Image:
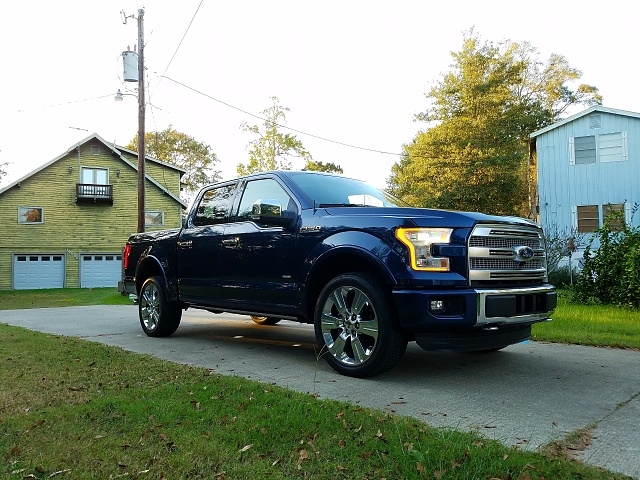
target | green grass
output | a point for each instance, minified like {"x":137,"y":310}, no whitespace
{"x":60,"y":297}
{"x":597,"y":325}
{"x":70,"y":408}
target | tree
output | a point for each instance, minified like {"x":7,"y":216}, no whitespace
{"x":185,"y":152}
{"x":318,"y":166}
{"x":3,"y":172}
{"x":272,"y":150}
{"x":475,"y":156}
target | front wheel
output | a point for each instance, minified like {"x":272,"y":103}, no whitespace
{"x":265,"y":320}
{"x":158,"y":316}
{"x":355,"y":327}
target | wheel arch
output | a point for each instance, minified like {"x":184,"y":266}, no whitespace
{"x":339,"y":260}
{"x":149,"y":266}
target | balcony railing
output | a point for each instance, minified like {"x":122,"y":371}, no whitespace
{"x":90,"y":193}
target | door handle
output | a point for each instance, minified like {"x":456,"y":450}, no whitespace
{"x":186,"y":244}
{"x":231,"y":241}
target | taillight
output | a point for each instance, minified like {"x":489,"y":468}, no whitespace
{"x":125,"y":256}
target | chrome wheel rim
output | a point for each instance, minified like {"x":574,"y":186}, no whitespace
{"x":150,"y":307}
{"x":349,"y":326}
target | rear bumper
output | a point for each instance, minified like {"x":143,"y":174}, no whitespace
{"x":473,"y":319}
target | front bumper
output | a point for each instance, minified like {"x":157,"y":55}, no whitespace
{"x":473,"y":308}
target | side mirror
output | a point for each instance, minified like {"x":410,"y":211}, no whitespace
{"x":269,"y":211}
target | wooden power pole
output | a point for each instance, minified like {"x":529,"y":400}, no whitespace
{"x":141,"y":139}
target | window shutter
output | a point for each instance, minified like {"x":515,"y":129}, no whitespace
{"x":574,"y":218}
{"x":624,"y":146}
{"x":572,"y":152}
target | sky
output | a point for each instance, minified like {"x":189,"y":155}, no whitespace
{"x":353,"y":73}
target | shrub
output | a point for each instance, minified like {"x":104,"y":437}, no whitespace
{"x":611,"y":274}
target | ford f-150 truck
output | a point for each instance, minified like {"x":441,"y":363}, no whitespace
{"x":369,"y":272}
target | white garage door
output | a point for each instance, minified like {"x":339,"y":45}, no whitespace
{"x":38,"y":271}
{"x":100,"y":270}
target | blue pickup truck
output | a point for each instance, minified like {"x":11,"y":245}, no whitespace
{"x":368,"y":271}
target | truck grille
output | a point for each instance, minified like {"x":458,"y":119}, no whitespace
{"x":494,"y":259}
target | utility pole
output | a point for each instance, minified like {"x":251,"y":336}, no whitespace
{"x":141,"y":108}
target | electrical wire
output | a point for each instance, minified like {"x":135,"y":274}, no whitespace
{"x":178,"y":47}
{"x":55,"y":105}
{"x":280,"y":125}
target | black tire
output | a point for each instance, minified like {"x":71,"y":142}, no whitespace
{"x":355,"y":326}
{"x":265,"y":320}
{"x":158,"y":316}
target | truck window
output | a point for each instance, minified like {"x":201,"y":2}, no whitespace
{"x":262,"y":189}
{"x":214,"y":206}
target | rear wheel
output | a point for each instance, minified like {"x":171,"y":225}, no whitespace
{"x":355,"y":327}
{"x":265,"y":320}
{"x":158,"y":316}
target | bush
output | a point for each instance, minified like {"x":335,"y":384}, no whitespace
{"x":611,"y":274}
{"x":563,"y":277}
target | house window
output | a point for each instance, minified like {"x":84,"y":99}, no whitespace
{"x":95,"y":176}
{"x":585,"y":150}
{"x":601,"y":148}
{"x":153,"y":218}
{"x":30,"y":215}
{"x":588,"y":218}
{"x":609,"y":209}
{"x":95,"y":149}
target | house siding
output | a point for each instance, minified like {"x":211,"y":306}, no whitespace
{"x":561,"y":185}
{"x":73,"y":229}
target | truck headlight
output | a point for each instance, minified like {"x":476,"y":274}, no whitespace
{"x":419,"y":241}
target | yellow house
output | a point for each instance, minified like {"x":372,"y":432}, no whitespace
{"x":65,"y":223}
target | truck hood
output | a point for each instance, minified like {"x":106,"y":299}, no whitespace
{"x":426,"y":217}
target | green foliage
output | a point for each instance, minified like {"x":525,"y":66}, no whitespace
{"x":272,"y":150}
{"x":476,"y":154}
{"x":184,"y":151}
{"x":611,"y":274}
{"x":318,"y":166}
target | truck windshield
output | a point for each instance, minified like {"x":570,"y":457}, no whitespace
{"x":324,"y":190}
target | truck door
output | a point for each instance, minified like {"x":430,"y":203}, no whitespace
{"x":200,"y":247}
{"x":259,"y":260}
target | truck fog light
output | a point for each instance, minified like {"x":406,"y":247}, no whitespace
{"x":437,"y":306}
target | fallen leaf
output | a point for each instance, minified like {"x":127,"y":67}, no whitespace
{"x":245,"y":448}
{"x":439,"y":473}
{"x":342,"y":443}
{"x":409,"y":446}
{"x":420,"y":468}
{"x":98,"y":437}
{"x":15,"y":450}
{"x":506,"y":455}
{"x":304,"y":455}
{"x":40,"y":470}
{"x":379,"y":434}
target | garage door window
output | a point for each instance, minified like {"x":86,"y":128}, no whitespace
{"x":30,"y":215}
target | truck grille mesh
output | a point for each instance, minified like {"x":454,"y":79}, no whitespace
{"x":494,"y":260}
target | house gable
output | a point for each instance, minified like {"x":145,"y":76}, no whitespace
{"x":586,"y":163}
{"x":41,"y":212}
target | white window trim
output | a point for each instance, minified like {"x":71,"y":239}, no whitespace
{"x":572,"y":150}
{"x":30,"y":208}
{"x":574,"y":213}
{"x":151,"y":213}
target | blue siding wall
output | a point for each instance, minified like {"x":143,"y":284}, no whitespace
{"x":561,"y":185}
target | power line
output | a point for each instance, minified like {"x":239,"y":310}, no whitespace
{"x":179,"y":45}
{"x":56,"y":105}
{"x":280,"y":125}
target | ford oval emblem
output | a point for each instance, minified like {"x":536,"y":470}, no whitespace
{"x":523,"y":253}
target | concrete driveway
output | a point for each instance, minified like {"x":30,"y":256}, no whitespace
{"x":524,"y":396}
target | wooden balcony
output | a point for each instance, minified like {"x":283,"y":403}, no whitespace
{"x":90,"y":193}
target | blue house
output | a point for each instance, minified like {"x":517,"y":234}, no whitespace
{"x":588,"y":165}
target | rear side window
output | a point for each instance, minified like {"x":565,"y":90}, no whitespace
{"x":214,"y":206}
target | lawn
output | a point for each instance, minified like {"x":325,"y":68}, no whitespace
{"x":70,"y":408}
{"x":74,"y":409}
